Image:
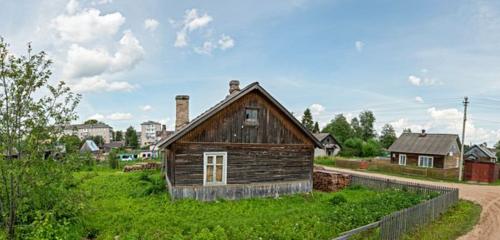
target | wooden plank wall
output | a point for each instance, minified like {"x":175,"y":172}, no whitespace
{"x":228,"y":126}
{"x":247,"y":163}
{"x":240,"y":191}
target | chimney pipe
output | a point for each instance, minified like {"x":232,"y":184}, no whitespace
{"x":423,"y":134}
{"x":181,"y":111}
{"x":234,"y":86}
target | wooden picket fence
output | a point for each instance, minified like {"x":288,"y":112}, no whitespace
{"x":395,"y":225}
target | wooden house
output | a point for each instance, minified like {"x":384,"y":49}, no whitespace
{"x":247,"y":145}
{"x":480,"y":153}
{"x":331,"y":146}
{"x":426,"y":150}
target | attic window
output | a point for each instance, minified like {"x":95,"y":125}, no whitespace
{"x":251,"y":116}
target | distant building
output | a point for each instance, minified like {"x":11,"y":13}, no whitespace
{"x":149,"y":133}
{"x":480,"y":153}
{"x":426,"y":150}
{"x":107,"y":147}
{"x":84,"y":131}
{"x":89,"y":146}
{"x":331,"y":146}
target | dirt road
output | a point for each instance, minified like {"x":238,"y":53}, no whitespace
{"x":488,"y":197}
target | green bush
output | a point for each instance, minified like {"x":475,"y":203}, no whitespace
{"x":114,"y":163}
{"x":338,"y":199}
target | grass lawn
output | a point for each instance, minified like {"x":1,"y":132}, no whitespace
{"x":456,"y":222}
{"x":134,"y":206}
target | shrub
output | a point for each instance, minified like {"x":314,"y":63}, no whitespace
{"x":338,"y":199}
{"x":113,"y":160}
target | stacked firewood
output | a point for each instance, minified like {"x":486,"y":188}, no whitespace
{"x":327,"y":181}
{"x":142,"y":166}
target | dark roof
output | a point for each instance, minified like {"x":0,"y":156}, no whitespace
{"x":228,"y":100}
{"x":435,"y":144}
{"x":114,"y":144}
{"x":322,"y":136}
{"x":150,"y":123}
{"x":485,"y":150}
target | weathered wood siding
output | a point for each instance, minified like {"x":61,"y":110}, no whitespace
{"x":228,"y":126}
{"x":240,"y":191}
{"x":440,"y":161}
{"x":246,"y":163}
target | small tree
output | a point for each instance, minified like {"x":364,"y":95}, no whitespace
{"x":307,"y":120}
{"x":91,"y":121}
{"x":407,"y":130}
{"x":71,"y":142}
{"x":113,"y":159}
{"x":316,"y":127}
{"x":31,"y":113}
{"x":131,"y":139}
{"x":387,"y":136}
{"x":118,"y":135}
{"x":367,"y":120}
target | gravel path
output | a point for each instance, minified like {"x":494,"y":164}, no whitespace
{"x":488,"y":197}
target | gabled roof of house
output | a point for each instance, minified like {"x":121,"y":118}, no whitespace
{"x":322,"y":136}
{"x":434,"y":144}
{"x":90,"y":145}
{"x":226,"y":102}
{"x":485,"y":150}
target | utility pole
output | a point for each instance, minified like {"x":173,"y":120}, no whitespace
{"x":461,"y":165}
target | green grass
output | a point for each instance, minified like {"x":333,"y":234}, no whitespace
{"x":326,"y":161}
{"x":459,"y":220}
{"x":133,"y":206}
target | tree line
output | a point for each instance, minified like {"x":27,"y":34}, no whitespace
{"x":357,"y":137}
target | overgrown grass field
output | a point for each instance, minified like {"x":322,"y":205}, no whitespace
{"x":135,"y":206}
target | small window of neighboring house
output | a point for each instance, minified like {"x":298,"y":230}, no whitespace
{"x":214,"y":168}
{"x":425,"y":161}
{"x":251,"y":116}
{"x":402,"y":159}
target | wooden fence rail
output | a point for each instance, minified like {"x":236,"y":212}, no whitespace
{"x":395,"y":225}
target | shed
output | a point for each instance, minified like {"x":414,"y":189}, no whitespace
{"x":331,"y":146}
{"x":247,"y":145}
{"x":480,"y":153}
{"x":89,"y":146}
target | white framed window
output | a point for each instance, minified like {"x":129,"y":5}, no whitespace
{"x":402,"y":159}
{"x":426,"y":161}
{"x":214,"y":168}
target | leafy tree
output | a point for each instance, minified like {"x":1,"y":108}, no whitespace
{"x":131,"y":139}
{"x":91,"y":121}
{"x":367,"y":120}
{"x":356,"y":128}
{"x":371,"y":148}
{"x":407,"y":130}
{"x":352,"y":147}
{"x":387,"y":136}
{"x":339,"y":127}
{"x":72,"y":143}
{"x":118,"y":136}
{"x":316,"y":127}
{"x":31,"y":111}
{"x":113,"y":159}
{"x":307,"y":120}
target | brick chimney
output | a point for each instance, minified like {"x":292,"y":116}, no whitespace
{"x":181,"y":111}
{"x":423,"y":134}
{"x":234,"y":86}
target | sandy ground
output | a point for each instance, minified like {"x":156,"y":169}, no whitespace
{"x":488,"y":197}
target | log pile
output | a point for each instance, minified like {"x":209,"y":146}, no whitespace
{"x":142,"y":166}
{"x":327,"y":181}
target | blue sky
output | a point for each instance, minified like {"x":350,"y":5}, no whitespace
{"x":411,"y":62}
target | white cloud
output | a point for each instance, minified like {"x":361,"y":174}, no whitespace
{"x":86,"y":25}
{"x":101,"y":2}
{"x":98,"y":84}
{"x":359,"y":46}
{"x":72,"y":6}
{"x":151,"y":24}
{"x":226,"y":42}
{"x":316,"y":109}
{"x":83,"y":62}
{"x":419,"y":99}
{"x":119,"y":116}
{"x":192,"y":21}
{"x":414,"y":80}
{"x":146,"y":108}
{"x":206,"y":48}
{"x":96,"y":116}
